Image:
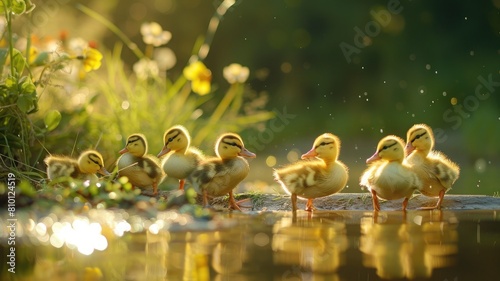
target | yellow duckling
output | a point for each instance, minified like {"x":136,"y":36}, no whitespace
{"x":316,"y":178}
{"x":437,"y":172}
{"x":141,"y":169}
{"x":181,"y":159}
{"x":219,"y":175}
{"x":88,"y":164}
{"x":387,"y":177}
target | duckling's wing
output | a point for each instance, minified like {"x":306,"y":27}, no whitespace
{"x":196,"y":154}
{"x":443,"y":169}
{"x":301,"y":176}
{"x":367,"y":179}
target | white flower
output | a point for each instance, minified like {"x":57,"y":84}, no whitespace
{"x":146,"y":68}
{"x":235,"y":73}
{"x":153,"y":34}
{"x":77,"y":45}
{"x":165,"y":58}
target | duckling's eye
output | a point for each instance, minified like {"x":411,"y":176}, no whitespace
{"x":387,"y":146}
{"x":418,"y":136}
{"x":232,"y":144}
{"x":324,"y":143}
{"x":172,"y":138}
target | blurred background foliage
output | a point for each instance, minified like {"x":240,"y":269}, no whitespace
{"x":423,"y":66}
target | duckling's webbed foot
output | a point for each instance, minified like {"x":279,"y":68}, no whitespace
{"x":309,"y":205}
{"x":405,"y":203}
{"x":376,"y":204}
{"x":181,"y":184}
{"x":294,"y":202}
{"x":438,"y":204}
{"x":232,"y":203}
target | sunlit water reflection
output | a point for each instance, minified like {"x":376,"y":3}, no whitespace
{"x":341,"y":245}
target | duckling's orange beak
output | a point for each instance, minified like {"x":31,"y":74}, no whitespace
{"x":163,"y":151}
{"x":409,"y":148}
{"x":374,"y":158}
{"x":310,"y":154}
{"x":247,"y":153}
{"x":103,"y":171}
{"x":123,"y":151}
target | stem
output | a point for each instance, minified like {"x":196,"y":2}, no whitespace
{"x":8,"y":19}
{"x":216,"y":116}
{"x":212,"y":27}
{"x":130,"y":44}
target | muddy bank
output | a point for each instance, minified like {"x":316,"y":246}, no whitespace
{"x":360,"y":202}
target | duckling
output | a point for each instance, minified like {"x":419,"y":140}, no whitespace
{"x":437,"y":172}
{"x":141,"y":169}
{"x":181,"y":159}
{"x":219,"y":175}
{"x":319,"y":177}
{"x":388,"y":177}
{"x":88,"y":164}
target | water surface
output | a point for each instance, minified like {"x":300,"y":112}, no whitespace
{"x":325,"y":245}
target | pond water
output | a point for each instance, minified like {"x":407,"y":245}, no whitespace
{"x":325,"y":245}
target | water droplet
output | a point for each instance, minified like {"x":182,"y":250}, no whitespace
{"x":271,"y":161}
{"x":365,"y":93}
{"x":366,"y":99}
{"x":428,"y":66}
{"x":362,"y":67}
{"x":355,"y":147}
{"x":480,"y":165}
{"x":413,"y":115}
{"x":436,"y":72}
{"x":444,"y":94}
{"x":381,"y":131}
{"x":385,"y":81}
{"x":421,"y":91}
{"x":361,"y":129}
{"x":432,"y":101}
{"x":465,"y":18}
{"x":125,"y":105}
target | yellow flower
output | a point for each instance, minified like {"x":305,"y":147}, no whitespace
{"x":235,"y":73}
{"x":91,"y":59}
{"x":92,"y":274}
{"x":200,"y":77}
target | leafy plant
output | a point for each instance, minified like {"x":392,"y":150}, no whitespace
{"x":149,"y":100}
{"x":25,"y":74}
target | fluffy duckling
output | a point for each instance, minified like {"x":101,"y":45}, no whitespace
{"x":220,"y":175}
{"x":319,"y":177}
{"x":387,"y":177}
{"x":437,"y":172}
{"x":88,"y":164}
{"x":181,"y":159}
{"x":141,"y":169}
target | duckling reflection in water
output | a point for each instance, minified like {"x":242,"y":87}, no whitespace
{"x":401,"y":249}
{"x":314,"y":245}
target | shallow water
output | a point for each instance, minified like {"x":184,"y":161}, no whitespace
{"x":325,"y":245}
